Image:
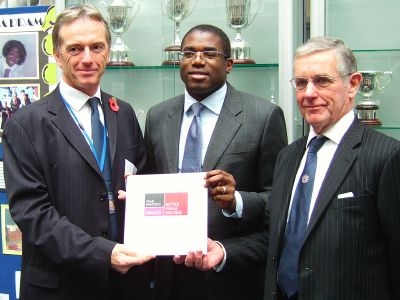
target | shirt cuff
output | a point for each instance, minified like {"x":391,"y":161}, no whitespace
{"x":219,"y":267}
{"x":239,"y":208}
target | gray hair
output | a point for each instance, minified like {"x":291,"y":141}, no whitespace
{"x":346,"y":62}
{"x":71,"y":14}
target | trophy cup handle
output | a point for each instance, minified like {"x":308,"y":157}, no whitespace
{"x":256,"y":13}
{"x":135,"y":8}
{"x":390,"y":77}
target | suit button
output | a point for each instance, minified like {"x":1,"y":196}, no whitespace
{"x":103,"y":197}
{"x":274,"y":294}
{"x":274,"y":258}
{"x":104,"y":233}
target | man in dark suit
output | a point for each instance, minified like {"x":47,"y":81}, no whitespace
{"x":62,"y":187}
{"x":241,"y":136}
{"x":348,"y":246}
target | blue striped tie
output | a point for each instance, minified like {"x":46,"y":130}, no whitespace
{"x":192,"y":156}
{"x":298,"y":219}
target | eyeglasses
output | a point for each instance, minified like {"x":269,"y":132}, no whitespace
{"x":207,"y":55}
{"x":320,"y":82}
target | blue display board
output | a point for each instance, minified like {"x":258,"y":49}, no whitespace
{"x":9,"y":264}
{"x":30,"y":26}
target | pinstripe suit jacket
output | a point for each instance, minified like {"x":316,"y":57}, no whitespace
{"x":352,"y":245}
{"x":58,"y":197}
{"x":246,"y":140}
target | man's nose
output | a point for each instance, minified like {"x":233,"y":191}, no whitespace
{"x":198,"y":58}
{"x":310,"y":88}
{"x":87,"y":55}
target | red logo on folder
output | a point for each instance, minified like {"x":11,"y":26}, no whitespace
{"x":166,"y":204}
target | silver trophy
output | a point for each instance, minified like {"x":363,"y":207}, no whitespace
{"x":120,"y":16}
{"x":240,"y":14}
{"x":177,"y":11}
{"x":371,"y":85}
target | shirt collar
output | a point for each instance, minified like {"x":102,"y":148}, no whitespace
{"x":213,"y":102}
{"x":336,"y":132}
{"x":75,"y":98}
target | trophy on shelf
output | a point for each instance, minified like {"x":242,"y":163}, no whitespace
{"x":370,"y":85}
{"x":239,"y":14}
{"x":177,"y":11}
{"x":120,"y":14}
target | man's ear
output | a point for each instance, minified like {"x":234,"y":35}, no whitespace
{"x":229,"y":65}
{"x":354,"y":83}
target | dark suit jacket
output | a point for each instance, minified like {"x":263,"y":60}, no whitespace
{"x":352,"y":245}
{"x":249,"y":133}
{"x":58,"y":197}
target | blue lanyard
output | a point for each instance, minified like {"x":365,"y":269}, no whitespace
{"x":103,"y":154}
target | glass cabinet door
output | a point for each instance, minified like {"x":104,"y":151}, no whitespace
{"x":369,"y":28}
{"x":151,"y":31}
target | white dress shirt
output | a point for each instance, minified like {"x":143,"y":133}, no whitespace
{"x":324,"y":156}
{"x":209,"y":117}
{"x":80,"y":107}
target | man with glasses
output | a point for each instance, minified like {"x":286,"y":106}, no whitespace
{"x":237,"y":138}
{"x":335,"y":203}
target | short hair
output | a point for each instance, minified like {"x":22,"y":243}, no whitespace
{"x":73,"y":13}
{"x":346,"y":62}
{"x":226,"y":44}
{"x":15,"y":44}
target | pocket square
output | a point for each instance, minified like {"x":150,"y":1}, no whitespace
{"x":345,"y":195}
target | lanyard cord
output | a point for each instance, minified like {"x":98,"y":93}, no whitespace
{"x":88,"y":139}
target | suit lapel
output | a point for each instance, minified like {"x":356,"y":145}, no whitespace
{"x":171,"y":131}
{"x":111,"y":122}
{"x":62,"y":119}
{"x":341,"y":163}
{"x":291,"y":163}
{"x":229,"y":121}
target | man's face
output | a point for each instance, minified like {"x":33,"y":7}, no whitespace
{"x":13,"y":56}
{"x":203,"y":76}
{"x":323,"y":107}
{"x":83,"y":54}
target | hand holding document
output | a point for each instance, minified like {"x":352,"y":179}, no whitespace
{"x":122,"y":259}
{"x":203,"y":262}
{"x":166,"y":214}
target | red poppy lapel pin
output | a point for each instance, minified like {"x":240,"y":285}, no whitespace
{"x":113,"y":104}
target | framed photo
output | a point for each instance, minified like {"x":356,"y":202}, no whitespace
{"x":14,"y":96}
{"x":11,"y":236}
{"x":19,"y":56}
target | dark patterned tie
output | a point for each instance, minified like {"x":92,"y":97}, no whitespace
{"x":97,"y":127}
{"x":298,"y":219}
{"x":97,"y":136}
{"x":7,"y":72}
{"x":192,"y":155}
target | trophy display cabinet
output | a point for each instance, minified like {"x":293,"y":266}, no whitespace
{"x":154,"y":37}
